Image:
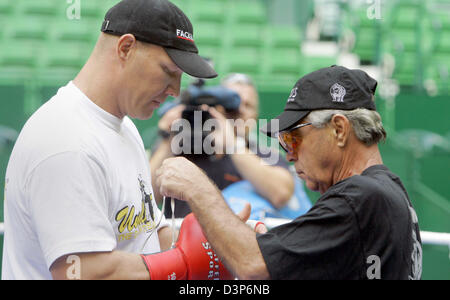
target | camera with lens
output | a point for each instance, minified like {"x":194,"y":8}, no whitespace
{"x":194,"y":97}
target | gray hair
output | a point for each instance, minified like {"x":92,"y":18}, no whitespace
{"x":366,"y":123}
{"x":239,"y":78}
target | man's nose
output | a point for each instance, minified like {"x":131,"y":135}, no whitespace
{"x":291,"y":157}
{"x":174,"y":87}
{"x":173,"y":92}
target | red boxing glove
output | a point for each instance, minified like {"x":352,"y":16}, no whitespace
{"x":191,"y":259}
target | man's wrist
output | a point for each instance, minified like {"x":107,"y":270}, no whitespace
{"x":167,"y":265}
{"x":201,"y":190}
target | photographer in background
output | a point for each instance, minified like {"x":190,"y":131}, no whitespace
{"x":273,"y":182}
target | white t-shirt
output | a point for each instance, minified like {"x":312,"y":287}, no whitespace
{"x":78,"y":180}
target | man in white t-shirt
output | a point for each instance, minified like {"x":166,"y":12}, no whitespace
{"x":78,"y":196}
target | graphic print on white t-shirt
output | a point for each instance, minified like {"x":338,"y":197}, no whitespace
{"x":133,"y":221}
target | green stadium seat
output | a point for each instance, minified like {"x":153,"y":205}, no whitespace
{"x":366,"y":44}
{"x":104,"y":6}
{"x":66,"y":56}
{"x":248,"y":36}
{"x":62,"y":62}
{"x":435,"y":84}
{"x":442,"y":59}
{"x":252,"y":12}
{"x":215,"y":54}
{"x":208,"y":34}
{"x":358,"y":18}
{"x":26,"y":29}
{"x":209,"y":11}
{"x":212,"y":52}
{"x":244,"y":60}
{"x":405,"y":15}
{"x":93,"y":10}
{"x":441,"y":20}
{"x":17,"y":54}
{"x":314,"y":63}
{"x":284,"y":36}
{"x":44,"y":8}
{"x":406,"y":69}
{"x":284,"y":62}
{"x":76,"y":31}
{"x":404,"y":39}
{"x":6,"y":7}
{"x":366,"y":33}
{"x":184,"y":5}
{"x":437,"y":75}
{"x":18,"y":60}
{"x":107,"y":4}
{"x":441,"y":42}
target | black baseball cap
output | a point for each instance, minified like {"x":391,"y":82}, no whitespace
{"x":162,"y":23}
{"x":335,"y":87}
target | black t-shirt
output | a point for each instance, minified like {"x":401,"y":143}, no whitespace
{"x":222,"y":171}
{"x":363,"y":227}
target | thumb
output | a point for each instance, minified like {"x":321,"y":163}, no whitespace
{"x":244,"y":214}
{"x":261,"y":228}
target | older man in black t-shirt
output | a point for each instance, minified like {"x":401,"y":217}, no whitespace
{"x":362,"y":227}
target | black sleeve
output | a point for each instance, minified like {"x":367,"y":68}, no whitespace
{"x":322,"y":244}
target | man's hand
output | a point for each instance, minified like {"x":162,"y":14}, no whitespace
{"x":244,"y":215}
{"x":181,"y":179}
{"x":224,"y":135}
{"x":173,"y":114}
{"x":233,"y":241}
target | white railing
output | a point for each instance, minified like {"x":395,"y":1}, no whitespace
{"x":428,"y":238}
{"x":435,"y":238}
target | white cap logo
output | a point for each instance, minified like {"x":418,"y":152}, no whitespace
{"x":185,"y":35}
{"x":293,"y":95}
{"x":338,"y":92}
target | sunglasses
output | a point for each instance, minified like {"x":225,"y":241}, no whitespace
{"x":290,"y":142}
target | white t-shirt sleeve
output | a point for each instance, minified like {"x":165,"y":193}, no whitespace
{"x":68,"y":200}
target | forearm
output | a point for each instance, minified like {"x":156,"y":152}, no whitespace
{"x":165,"y":237}
{"x":114,"y":265}
{"x":233,"y":241}
{"x":272,"y":182}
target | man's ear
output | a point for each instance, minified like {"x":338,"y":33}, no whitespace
{"x":341,"y":129}
{"x":125,"y":44}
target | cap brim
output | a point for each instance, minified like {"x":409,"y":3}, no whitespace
{"x":284,"y":121}
{"x":191,"y":63}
